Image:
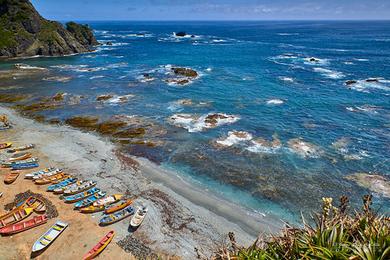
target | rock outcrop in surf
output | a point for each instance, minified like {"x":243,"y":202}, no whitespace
{"x":24,"y":32}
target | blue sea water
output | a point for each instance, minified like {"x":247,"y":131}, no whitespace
{"x":282,"y":81}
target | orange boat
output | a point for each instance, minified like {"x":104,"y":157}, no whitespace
{"x":15,"y":216}
{"x":113,"y":209}
{"x":103,"y":243}
{"x":23,"y":226}
{"x":52,"y":179}
{"x":11,"y":177}
{"x":37,"y":204}
{"x":20,"y":156}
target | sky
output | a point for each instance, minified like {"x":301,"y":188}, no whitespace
{"x":160,"y":10}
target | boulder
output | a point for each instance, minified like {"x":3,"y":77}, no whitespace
{"x":180,"y":34}
{"x":350,"y":82}
{"x":186,"y":72}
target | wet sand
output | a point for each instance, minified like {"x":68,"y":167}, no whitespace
{"x":181,"y":216}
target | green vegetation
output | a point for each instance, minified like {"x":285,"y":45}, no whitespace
{"x":335,"y":235}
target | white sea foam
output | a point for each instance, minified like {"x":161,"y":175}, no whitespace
{"x":194,"y":123}
{"x":263,"y":146}
{"x":329,"y":73}
{"x":370,"y":84}
{"x":315,"y":61}
{"x":304,"y":149}
{"x":97,"y":77}
{"x":275,"y":102}
{"x":23,"y":66}
{"x":119,"y":99}
{"x":233,"y":138}
{"x":287,"y":79}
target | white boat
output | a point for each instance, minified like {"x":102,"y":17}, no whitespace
{"x":85,"y":186}
{"x":47,"y":174}
{"x":46,"y":239}
{"x":38,"y":173}
{"x":138,"y":217}
{"x":107,"y":200}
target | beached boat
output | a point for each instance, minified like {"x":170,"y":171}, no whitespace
{"x":11,"y":177}
{"x":115,"y":208}
{"x":24,"y":166}
{"x":10,"y":164}
{"x":41,"y":172}
{"x":15,"y":216}
{"x":81,"y":196}
{"x":92,"y":209}
{"x":49,"y":173}
{"x":72,"y":186}
{"x":108,"y":200}
{"x":52,"y":179}
{"x":62,"y":184}
{"x":23,"y":226}
{"x":35,"y":203}
{"x":20,"y":156}
{"x":5,"y":145}
{"x":117,"y":216}
{"x":80,"y":188}
{"x":138,"y":217}
{"x":88,"y":201}
{"x":21,"y":148}
{"x":46,"y":239}
{"x":103,"y":243}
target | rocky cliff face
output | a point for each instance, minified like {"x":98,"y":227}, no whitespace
{"x":23,"y":32}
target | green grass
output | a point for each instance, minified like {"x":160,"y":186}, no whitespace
{"x":334,"y":234}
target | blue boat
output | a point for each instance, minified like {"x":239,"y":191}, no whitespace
{"x":117,"y":216}
{"x":61,"y":184}
{"x":81,"y":196}
{"x":23,"y":166}
{"x":88,"y":201}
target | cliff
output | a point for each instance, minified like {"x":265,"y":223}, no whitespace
{"x":24,"y":32}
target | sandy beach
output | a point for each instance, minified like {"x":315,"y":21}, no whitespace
{"x":181,"y":216}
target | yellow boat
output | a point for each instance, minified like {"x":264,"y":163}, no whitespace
{"x":52,"y":179}
{"x":5,"y":145}
{"x":92,"y":209}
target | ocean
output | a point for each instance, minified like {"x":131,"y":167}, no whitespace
{"x":277,"y":118}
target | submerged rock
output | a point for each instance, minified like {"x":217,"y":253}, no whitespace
{"x":110,"y":126}
{"x":57,"y":79}
{"x":180,"y":34}
{"x":59,"y":96}
{"x":374,"y":182}
{"x":83,"y":121}
{"x":350,"y":82}
{"x":12,"y":98}
{"x":104,"y":97}
{"x":304,"y":149}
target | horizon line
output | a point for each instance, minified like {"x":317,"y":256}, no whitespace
{"x":237,"y":20}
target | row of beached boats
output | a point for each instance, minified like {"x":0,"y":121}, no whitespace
{"x":87,"y":198}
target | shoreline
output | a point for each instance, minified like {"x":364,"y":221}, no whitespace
{"x":181,"y":215}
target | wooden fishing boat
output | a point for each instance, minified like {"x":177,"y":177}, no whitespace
{"x":10,"y":164}
{"x":62,"y":184}
{"x":92,"y":209}
{"x":138,"y":217}
{"x":24,"y":166}
{"x":11,"y":177}
{"x":103,"y":243}
{"x":21,"y":148}
{"x":47,"y":174}
{"x":117,"y":216}
{"x":31,"y":202}
{"x":5,"y":145}
{"x":15,"y":216}
{"x":41,"y":172}
{"x":81,"y":196}
{"x":108,"y":200}
{"x":23,"y":226}
{"x":52,"y":179}
{"x":20,"y":156}
{"x":80,"y":188}
{"x":46,"y":239}
{"x":88,"y":201}
{"x":72,"y":186}
{"x":115,"y":208}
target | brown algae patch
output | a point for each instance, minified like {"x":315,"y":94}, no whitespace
{"x":110,"y":127}
{"x":89,"y":122}
{"x":12,"y":98}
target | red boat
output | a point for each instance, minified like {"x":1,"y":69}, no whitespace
{"x":23,"y":226}
{"x":103,"y":243}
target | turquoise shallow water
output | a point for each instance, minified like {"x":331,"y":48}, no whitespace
{"x":279,"y":80}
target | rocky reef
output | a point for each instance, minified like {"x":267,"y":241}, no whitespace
{"x":24,"y":32}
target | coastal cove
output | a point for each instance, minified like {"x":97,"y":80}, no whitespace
{"x":176,"y":223}
{"x":217,"y":126}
